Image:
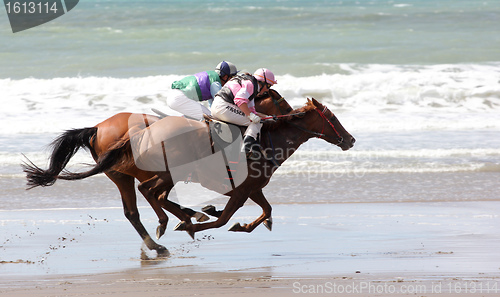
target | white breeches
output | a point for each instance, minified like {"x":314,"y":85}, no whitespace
{"x":231,"y":113}
{"x":181,"y":103}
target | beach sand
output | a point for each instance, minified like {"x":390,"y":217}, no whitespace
{"x":350,"y":249}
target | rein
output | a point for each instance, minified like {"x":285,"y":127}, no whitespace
{"x":322,"y":114}
{"x":321,"y":135}
{"x":275,"y":117}
{"x":277,"y":104}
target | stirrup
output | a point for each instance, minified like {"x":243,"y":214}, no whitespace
{"x":254,"y":152}
{"x":251,"y":148}
{"x":253,"y":155}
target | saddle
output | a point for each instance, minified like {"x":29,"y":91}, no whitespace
{"x":226,"y":138}
{"x":223,"y":134}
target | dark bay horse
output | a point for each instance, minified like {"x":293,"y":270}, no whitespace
{"x":279,"y":141}
{"x":100,"y":138}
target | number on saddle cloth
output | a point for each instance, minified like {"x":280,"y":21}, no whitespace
{"x":224,"y":134}
{"x":226,"y":137}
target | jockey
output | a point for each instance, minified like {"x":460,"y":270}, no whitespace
{"x":234,"y":104}
{"x":201,"y":86}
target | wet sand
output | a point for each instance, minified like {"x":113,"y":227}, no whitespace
{"x":321,"y":188}
{"x":354,"y":249}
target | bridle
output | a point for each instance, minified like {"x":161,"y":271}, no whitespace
{"x":321,"y":134}
{"x":329,"y":121}
{"x":323,"y":116}
{"x":277,"y":104}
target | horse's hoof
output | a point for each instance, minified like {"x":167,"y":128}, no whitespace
{"x":209,"y":209}
{"x":235,"y":227}
{"x":269,"y":224}
{"x":162,"y":252}
{"x":182,"y":226}
{"x":160,"y":230}
{"x":201,"y":217}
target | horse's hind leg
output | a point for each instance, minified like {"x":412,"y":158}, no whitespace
{"x":156,"y":190}
{"x":259,"y":198}
{"x":125,"y":184}
{"x":151,"y":189}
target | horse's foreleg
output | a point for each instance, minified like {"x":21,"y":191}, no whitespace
{"x":212,"y":211}
{"x":235,"y":202}
{"x":125,"y":184}
{"x":171,"y":206}
{"x":259,"y":198}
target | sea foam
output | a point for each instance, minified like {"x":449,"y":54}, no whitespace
{"x":388,"y":97}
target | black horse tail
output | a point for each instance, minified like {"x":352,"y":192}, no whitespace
{"x":117,"y":155}
{"x":63,"y":149}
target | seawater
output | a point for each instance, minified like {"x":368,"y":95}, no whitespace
{"x":138,"y":38}
{"x":416,"y":82}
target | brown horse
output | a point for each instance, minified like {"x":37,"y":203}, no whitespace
{"x":104,"y":135}
{"x":279,"y":141}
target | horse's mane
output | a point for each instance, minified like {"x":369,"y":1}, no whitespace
{"x":265,"y":95}
{"x":294,"y":114}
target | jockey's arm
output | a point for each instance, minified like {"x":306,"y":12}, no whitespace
{"x":244,"y":107}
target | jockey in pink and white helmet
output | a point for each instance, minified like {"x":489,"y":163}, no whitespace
{"x":266,"y":76}
{"x":234,"y":103}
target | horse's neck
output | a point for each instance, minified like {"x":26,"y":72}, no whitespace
{"x":285,"y":141}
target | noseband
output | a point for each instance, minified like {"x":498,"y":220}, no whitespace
{"x":322,"y":135}
{"x":322,"y":114}
{"x":277,"y":104}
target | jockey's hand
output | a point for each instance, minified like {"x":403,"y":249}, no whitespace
{"x":270,"y":118}
{"x":254,"y":118}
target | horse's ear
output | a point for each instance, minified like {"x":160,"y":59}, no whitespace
{"x":315,"y":102}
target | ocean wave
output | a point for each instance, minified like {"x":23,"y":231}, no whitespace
{"x":81,"y":160}
{"x":334,"y":162}
{"x":400,"y":153}
{"x":427,"y":93}
{"x":406,"y":87}
{"x":357,"y":163}
{"x":490,"y":167}
{"x":338,"y":169}
{"x":402,"y":5}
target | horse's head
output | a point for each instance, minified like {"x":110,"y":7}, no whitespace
{"x":272,"y":103}
{"x":325,"y":125}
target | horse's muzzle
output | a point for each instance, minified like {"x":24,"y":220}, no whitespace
{"x":347,"y":143}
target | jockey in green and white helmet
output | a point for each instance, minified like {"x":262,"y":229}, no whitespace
{"x":201,"y":86}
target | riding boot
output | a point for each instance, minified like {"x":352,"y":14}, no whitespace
{"x":250,"y":148}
